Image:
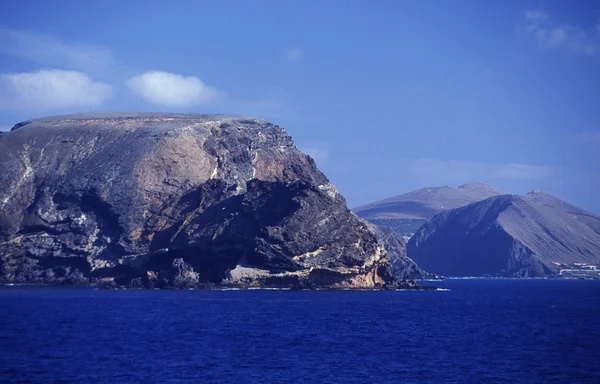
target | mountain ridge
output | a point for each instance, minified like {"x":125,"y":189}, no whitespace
{"x":508,"y":235}
{"x":424,"y":203}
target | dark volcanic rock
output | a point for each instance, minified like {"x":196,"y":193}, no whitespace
{"x":174,"y":200}
{"x":402,"y":267}
{"x":509,"y":235}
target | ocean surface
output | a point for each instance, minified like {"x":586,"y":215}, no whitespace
{"x":480,"y":331}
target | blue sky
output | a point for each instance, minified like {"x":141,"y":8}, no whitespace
{"x":388,"y":96}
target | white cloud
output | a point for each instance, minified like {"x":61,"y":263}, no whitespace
{"x":293,"y":54}
{"x":171,"y":90}
{"x":51,"y":52}
{"x":51,"y":89}
{"x":551,"y":35}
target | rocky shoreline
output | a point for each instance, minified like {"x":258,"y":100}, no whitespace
{"x":401,"y":286}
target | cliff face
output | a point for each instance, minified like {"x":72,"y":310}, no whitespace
{"x":515,"y":236}
{"x":175,"y":200}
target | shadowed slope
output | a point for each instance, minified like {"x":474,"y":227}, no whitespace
{"x":507,"y":235}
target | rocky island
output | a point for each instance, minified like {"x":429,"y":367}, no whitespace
{"x":534,"y":235}
{"x":180,"y":200}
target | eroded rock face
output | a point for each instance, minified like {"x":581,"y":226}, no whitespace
{"x":177,"y":200}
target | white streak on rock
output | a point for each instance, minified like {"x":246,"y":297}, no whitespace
{"x":330,"y":189}
{"x":26,"y":175}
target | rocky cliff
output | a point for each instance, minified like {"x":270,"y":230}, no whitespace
{"x":155,"y":200}
{"x":508,"y":235}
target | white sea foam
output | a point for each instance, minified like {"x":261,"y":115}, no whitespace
{"x":269,"y":289}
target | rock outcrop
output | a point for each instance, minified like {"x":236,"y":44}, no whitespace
{"x":158,"y":200}
{"x":508,"y":235}
{"x":406,"y":213}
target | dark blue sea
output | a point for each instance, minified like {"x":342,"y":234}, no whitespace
{"x":480,"y":331}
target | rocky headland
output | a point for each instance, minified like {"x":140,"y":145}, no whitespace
{"x":180,"y":200}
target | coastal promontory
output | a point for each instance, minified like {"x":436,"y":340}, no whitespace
{"x":179,"y":200}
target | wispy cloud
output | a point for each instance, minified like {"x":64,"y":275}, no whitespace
{"x":590,"y":137}
{"x":521,"y":171}
{"x":319,"y":154}
{"x":52,"y":52}
{"x":171,"y":90}
{"x":51,"y":89}
{"x":267,"y":108}
{"x":462,"y":171}
{"x":293,"y":54}
{"x":555,"y":35}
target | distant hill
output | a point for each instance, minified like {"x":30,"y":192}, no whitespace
{"x":406,"y":213}
{"x":426,"y":202}
{"x":508,"y":235}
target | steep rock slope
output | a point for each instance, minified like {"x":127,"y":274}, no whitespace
{"x":407,"y":212}
{"x":508,"y":235}
{"x":147,"y":199}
